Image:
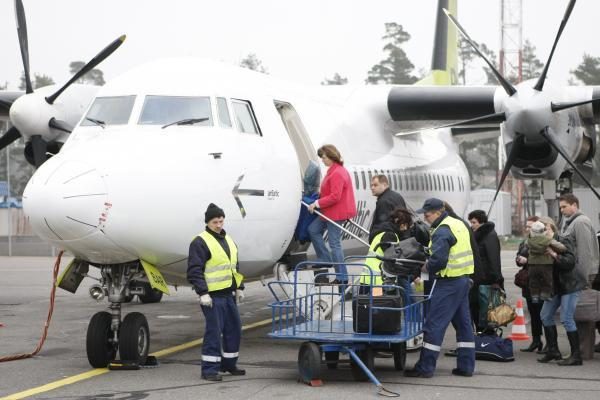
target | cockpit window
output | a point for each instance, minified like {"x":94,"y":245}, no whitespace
{"x":109,"y":111}
{"x":244,"y":116}
{"x":163,"y":110}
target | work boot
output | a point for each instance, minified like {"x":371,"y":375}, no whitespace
{"x":235,"y":371}
{"x":544,"y":350}
{"x":535,"y":344}
{"x":575,"y":357}
{"x":552,"y":341}
{"x":212,"y":378}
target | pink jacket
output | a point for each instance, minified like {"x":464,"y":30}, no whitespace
{"x":336,"y":199}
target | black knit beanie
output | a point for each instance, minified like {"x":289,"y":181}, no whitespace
{"x":213,"y":211}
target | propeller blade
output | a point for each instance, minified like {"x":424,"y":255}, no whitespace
{"x":107,"y":51}
{"x":23,"y":44}
{"x":510,"y":90}
{"x":546,"y":134}
{"x":540,"y":83}
{"x":492,"y":118}
{"x":59,"y":125}
{"x":514,"y":150}
{"x":9,"y":136}
{"x":563,"y":106}
{"x":35,"y":152}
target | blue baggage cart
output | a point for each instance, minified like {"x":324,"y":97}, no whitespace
{"x":318,"y":316}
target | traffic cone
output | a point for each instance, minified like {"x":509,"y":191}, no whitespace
{"x":519,"y":331}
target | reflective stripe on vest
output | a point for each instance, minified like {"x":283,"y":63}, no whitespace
{"x":220,"y":269}
{"x":460,"y":258}
{"x":373,"y":264}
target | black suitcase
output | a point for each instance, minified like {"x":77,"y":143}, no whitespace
{"x":384,"y":321}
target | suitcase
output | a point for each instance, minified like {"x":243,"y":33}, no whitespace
{"x":384,"y":321}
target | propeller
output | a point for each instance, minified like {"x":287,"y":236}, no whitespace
{"x":546,"y":133}
{"x":508,"y":87}
{"x":107,"y":51}
{"x":517,"y":144}
{"x":540,"y":83}
{"x":23,"y":44}
{"x":40,"y":139}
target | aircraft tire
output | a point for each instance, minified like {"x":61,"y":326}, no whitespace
{"x":100,"y":351}
{"x":150,"y":295}
{"x":134,"y":338}
{"x":309,"y":362}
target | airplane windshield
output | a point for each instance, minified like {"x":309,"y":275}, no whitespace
{"x":164,"y":110}
{"x":110,"y":110}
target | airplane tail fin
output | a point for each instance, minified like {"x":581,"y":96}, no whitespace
{"x":444,"y":62}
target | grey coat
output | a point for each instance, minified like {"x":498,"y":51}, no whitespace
{"x":579,"y":229}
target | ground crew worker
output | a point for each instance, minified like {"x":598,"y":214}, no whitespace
{"x":213,"y":273}
{"x":450,"y":263}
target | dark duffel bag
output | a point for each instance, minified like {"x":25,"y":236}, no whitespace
{"x":384,"y":321}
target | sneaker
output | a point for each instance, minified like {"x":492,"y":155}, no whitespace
{"x":415,"y":373}
{"x":459,"y":372}
{"x":235,"y":371}
{"x":212,"y":378}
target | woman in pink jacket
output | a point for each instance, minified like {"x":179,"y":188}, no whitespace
{"x":336,"y":202}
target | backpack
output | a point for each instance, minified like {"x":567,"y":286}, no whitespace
{"x":491,"y":346}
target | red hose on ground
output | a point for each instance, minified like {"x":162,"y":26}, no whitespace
{"x":47,"y":324}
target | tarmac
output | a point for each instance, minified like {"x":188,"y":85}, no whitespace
{"x":61,"y":369}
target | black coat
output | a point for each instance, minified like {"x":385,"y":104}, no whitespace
{"x":565,"y":279}
{"x":488,"y":244}
{"x":387,"y":202}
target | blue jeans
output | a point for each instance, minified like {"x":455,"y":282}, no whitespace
{"x":567,"y":304}
{"x":334,"y":234}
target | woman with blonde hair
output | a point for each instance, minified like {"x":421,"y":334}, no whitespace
{"x":336,"y":202}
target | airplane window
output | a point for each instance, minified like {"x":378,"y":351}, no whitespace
{"x":412,"y":182}
{"x":370,"y":176}
{"x":114,"y":110}
{"x":395,"y":176}
{"x":244,"y":116}
{"x":439,"y":184}
{"x":356,"y":180}
{"x":364,"y":180}
{"x":452,"y":183}
{"x":162,"y":110}
{"x":429,"y":182}
{"x":223,"y":111}
{"x":399,"y":180}
{"x":421,"y":182}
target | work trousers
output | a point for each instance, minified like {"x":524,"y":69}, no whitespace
{"x":222,"y":336}
{"x":449,"y":303}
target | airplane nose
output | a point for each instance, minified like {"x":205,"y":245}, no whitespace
{"x":66,"y":200}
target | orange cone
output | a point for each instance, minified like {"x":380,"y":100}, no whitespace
{"x":519,"y":331}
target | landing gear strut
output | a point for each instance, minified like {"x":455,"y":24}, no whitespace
{"x":106,"y":333}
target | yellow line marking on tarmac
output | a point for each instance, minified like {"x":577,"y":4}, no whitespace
{"x":101,"y":371}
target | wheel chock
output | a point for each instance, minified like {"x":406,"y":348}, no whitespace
{"x":123,"y":365}
{"x":151,"y":362}
{"x":315,"y":383}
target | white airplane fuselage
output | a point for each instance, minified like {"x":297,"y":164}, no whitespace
{"x":132,"y":191}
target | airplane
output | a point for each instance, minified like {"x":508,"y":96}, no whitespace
{"x":127,"y":191}
{"x":45,"y":117}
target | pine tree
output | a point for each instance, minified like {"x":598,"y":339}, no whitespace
{"x":396,"y":68}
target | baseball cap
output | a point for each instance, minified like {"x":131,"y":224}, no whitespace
{"x":431,"y":204}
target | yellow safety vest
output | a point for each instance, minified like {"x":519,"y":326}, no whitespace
{"x":460,"y":258}
{"x":220,"y":269}
{"x":372,"y":263}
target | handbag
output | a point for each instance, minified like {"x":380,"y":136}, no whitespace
{"x":501,"y":314}
{"x":522,"y":278}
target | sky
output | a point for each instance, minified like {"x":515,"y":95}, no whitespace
{"x":301,"y":41}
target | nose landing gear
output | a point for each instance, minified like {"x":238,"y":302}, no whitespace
{"x":107,"y":334}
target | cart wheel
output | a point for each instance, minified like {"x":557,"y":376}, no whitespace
{"x":367,"y":356}
{"x":332,"y":358}
{"x":309,"y":362}
{"x":399,"y":356}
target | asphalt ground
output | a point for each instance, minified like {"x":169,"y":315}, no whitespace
{"x":61,"y":369}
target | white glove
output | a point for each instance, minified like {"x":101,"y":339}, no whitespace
{"x":239,"y":296}
{"x":206,"y":300}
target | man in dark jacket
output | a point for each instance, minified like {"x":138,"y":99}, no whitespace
{"x":387,"y":202}
{"x":213,"y":272}
{"x":488,"y":272}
